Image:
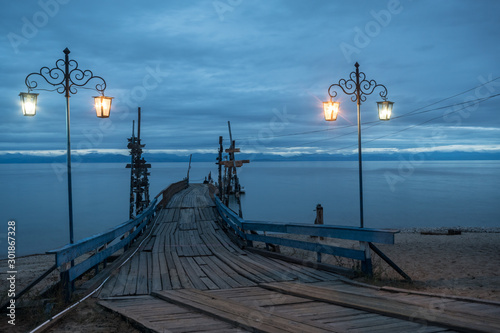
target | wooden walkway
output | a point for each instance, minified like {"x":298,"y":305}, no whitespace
{"x":189,"y":277}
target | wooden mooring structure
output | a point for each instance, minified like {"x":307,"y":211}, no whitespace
{"x":191,"y":264}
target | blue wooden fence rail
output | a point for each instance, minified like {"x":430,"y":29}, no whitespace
{"x":130,"y":230}
{"x":109,"y":241}
{"x":247,"y":230}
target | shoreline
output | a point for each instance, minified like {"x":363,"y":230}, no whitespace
{"x":465,"y":264}
{"x":442,"y":230}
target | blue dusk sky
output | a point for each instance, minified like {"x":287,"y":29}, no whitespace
{"x":263,"y":65}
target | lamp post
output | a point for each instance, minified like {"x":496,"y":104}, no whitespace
{"x":358,"y":87}
{"x":67,"y":77}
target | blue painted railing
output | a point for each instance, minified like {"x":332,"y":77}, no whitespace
{"x":105,"y":244}
{"x":247,"y":231}
{"x":129,"y":230}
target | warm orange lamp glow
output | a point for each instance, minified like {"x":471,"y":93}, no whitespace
{"x":102,"y":106}
{"x":385,"y":110}
{"x":331,"y":110}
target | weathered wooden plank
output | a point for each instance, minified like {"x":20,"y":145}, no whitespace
{"x":161,"y":316}
{"x":142,"y":274}
{"x":389,"y":307}
{"x":131,"y":284}
{"x":181,"y":272}
{"x":247,"y":272}
{"x":148,"y":245}
{"x":242,"y":281}
{"x":237,"y":314}
{"x":272,"y":272}
{"x":156,"y":275}
{"x":292,"y":269}
{"x":194,"y":273}
{"x":107,"y":289}
{"x":316,"y":274}
{"x":172,"y":270}
{"x":121,"y":280}
{"x":229,"y":280}
{"x":221,"y":280}
{"x":224,"y":240}
{"x":268,"y":299}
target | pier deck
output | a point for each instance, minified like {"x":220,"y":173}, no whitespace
{"x":190,"y":277}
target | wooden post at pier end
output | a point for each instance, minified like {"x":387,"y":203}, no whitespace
{"x":219,"y":162}
{"x":319,"y":217}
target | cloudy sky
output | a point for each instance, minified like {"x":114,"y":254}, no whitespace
{"x":263,"y":65}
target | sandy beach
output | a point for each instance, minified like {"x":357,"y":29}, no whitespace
{"x":462,"y":265}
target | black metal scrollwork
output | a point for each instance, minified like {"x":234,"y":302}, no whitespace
{"x":357,"y":86}
{"x":66,"y":76}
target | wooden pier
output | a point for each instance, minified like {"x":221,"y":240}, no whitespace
{"x":189,"y":276}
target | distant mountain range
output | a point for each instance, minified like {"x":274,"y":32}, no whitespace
{"x":163,"y":157}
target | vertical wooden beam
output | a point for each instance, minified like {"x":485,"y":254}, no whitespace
{"x":66,"y":284}
{"x":139,"y":124}
{"x":366,"y":265}
{"x":131,"y":204}
{"x":319,"y":217}
{"x":189,"y":167}
{"x":319,"y":214}
{"x":220,"y":167}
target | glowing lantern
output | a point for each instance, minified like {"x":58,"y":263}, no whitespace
{"x":331,"y":110}
{"x":384,"y":110}
{"x":28,"y":103}
{"x":102,"y":106}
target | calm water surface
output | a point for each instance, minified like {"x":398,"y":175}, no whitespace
{"x":432,"y":194}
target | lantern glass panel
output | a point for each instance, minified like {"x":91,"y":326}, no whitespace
{"x":385,"y":110}
{"x":331,"y":110}
{"x":102,"y":106}
{"x":28,"y":103}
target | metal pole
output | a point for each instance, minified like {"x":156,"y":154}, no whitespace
{"x":358,"y":102}
{"x":139,"y":125}
{"x":220,"y":167}
{"x":68,"y":149}
{"x":131,"y":197}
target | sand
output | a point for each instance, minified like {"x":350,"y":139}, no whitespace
{"x":462,"y":265}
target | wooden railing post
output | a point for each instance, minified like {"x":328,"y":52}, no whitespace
{"x":66,"y":285}
{"x":366,"y":264}
{"x":319,"y":218}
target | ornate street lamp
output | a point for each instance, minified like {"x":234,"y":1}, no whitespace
{"x":358,"y":86}
{"x":67,"y":77}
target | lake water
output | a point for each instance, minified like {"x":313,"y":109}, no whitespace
{"x":396,"y":195}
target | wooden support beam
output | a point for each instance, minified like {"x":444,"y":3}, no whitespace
{"x":237,"y":164}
